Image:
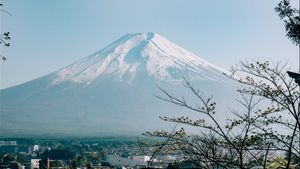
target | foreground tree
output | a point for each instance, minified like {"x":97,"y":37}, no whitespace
{"x":4,"y":37}
{"x":268,"y":123}
{"x":291,"y":18}
{"x":281,"y":93}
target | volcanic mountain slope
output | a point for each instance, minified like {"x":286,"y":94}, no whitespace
{"x":109,"y":92}
{"x":139,"y":54}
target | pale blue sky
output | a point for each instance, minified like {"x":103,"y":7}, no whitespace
{"x":50,"y":34}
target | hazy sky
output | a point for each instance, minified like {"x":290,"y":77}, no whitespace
{"x":50,"y":34}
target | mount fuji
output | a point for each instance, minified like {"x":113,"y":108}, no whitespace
{"x":110,"y":92}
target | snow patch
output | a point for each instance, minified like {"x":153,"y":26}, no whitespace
{"x":162,"y":60}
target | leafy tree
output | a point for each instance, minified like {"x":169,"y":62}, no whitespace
{"x":279,"y":162}
{"x":270,"y":102}
{"x":269,"y":123}
{"x":79,"y":161}
{"x":7,"y":158}
{"x":58,"y":154}
{"x":4,"y":37}
{"x":57,"y":163}
{"x":273,"y":84}
{"x":231,"y":146}
{"x":291,"y":18}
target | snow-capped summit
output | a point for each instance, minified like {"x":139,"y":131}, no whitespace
{"x":138,"y":53}
{"x":109,"y":92}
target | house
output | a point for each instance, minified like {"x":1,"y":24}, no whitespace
{"x":35,"y":163}
{"x":141,"y":158}
{"x":118,"y":161}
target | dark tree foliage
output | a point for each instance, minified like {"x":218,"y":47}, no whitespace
{"x":7,"y":158}
{"x":4,"y":37}
{"x":58,"y":154}
{"x":291,"y":18}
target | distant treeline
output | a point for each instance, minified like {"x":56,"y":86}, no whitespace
{"x":57,"y":142}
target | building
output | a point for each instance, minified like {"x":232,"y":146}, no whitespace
{"x":35,"y":163}
{"x":117,"y":161}
{"x":141,"y":158}
{"x":8,"y":143}
{"x":35,"y":148}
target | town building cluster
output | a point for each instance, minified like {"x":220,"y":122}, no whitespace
{"x":25,"y":156}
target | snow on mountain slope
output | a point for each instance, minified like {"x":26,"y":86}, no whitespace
{"x":95,"y":96}
{"x":137,"y":53}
